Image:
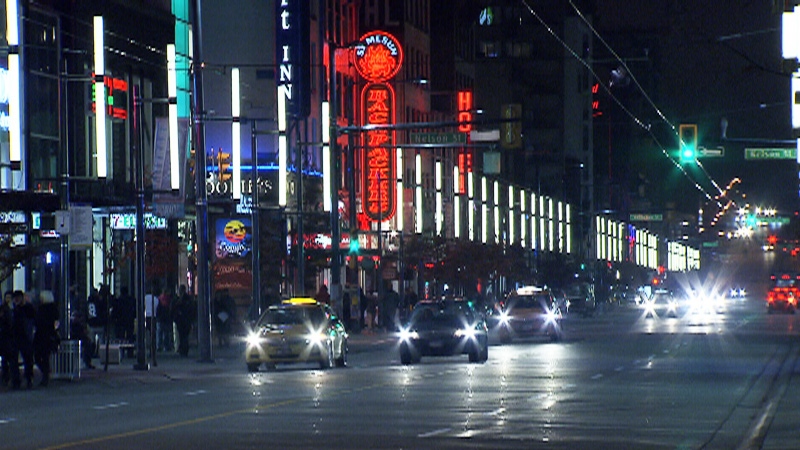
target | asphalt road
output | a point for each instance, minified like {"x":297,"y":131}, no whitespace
{"x":619,"y":380}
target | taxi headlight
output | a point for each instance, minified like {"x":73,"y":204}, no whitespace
{"x":316,"y":338}
{"x":254,"y":339}
{"x":551,"y":316}
{"x":504,"y":318}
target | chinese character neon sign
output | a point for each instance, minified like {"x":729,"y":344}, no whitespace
{"x":378,"y":57}
{"x":117,"y":98}
{"x":379,"y":167}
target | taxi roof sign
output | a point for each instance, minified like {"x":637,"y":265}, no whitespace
{"x":300,"y":301}
{"x":528,"y":290}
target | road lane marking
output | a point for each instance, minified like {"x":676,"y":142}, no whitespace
{"x":619,"y":368}
{"x":597,"y":376}
{"x":191,"y":393}
{"x":110,"y":406}
{"x":434,"y":433}
{"x":7,"y":420}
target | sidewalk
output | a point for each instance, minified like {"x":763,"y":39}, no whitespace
{"x":171,"y":366}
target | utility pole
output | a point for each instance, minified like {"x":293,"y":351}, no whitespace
{"x":201,"y":198}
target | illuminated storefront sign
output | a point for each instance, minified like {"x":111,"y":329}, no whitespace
{"x":128,"y":222}
{"x":465,"y":126}
{"x":379,"y":167}
{"x":116,"y":98}
{"x":378,"y":57}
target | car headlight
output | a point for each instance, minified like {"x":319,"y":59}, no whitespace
{"x":254,"y":339}
{"x":504,"y":318}
{"x":552,"y":315}
{"x":316,"y":338}
{"x":407,"y":334}
{"x":467,"y":332}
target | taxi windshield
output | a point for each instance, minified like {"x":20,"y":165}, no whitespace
{"x":536,"y":301}
{"x":292,"y":316}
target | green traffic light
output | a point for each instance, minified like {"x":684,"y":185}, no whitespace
{"x":687,"y":135}
{"x":355,"y":247}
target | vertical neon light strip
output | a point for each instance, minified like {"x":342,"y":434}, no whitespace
{"x":471,"y":205}
{"x":511,"y":215}
{"x":283,"y":91}
{"x":456,"y":205}
{"x":100,"y":97}
{"x":14,"y":120}
{"x":484,"y":210}
{"x":569,"y":228}
{"x":400,"y":202}
{"x":438,"y":182}
{"x":542,"y":225}
{"x":325,"y":118}
{"x":418,"y":192}
{"x":236,"y":135}
{"x":496,"y":204}
{"x":550,"y":229}
{"x":533,"y":222}
{"x":523,"y":219}
{"x":172,"y":93}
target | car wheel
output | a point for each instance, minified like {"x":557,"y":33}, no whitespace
{"x":271,"y":366}
{"x":485,"y":353}
{"x":252,"y":367}
{"x":326,"y":361}
{"x":341,"y":361}
{"x":505,"y":336}
{"x":405,"y":355}
{"x":477,"y":353}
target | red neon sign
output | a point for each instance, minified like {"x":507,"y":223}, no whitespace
{"x":379,"y":162}
{"x":378,"y":56}
{"x":116,"y":89}
{"x":465,"y":111}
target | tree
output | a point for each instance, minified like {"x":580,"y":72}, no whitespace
{"x":13,"y":256}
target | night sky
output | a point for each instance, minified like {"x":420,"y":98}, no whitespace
{"x":701,"y":62}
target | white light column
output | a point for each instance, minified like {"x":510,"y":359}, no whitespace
{"x":418,"y":192}
{"x":456,"y":205}
{"x":399,"y":186}
{"x":484,"y":210}
{"x":523,"y":219}
{"x":496,"y":205}
{"x":284,"y":92}
{"x":172,"y":93}
{"x":12,"y":89}
{"x":439,"y":219}
{"x":100,"y":96}
{"x":511,"y":215}
{"x":325,"y":113}
{"x":236,"y":135}
{"x":471,"y":205}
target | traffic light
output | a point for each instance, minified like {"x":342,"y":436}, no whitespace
{"x":355,"y":247}
{"x":687,"y":133}
{"x":223,"y":164}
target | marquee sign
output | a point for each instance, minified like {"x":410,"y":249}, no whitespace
{"x":378,"y":56}
{"x":379,"y":167}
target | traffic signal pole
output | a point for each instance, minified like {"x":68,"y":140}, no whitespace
{"x":336,"y":267}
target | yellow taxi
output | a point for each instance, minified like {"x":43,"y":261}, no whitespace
{"x":299,"y":330}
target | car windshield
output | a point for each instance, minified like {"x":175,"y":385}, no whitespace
{"x":452,"y":314}
{"x":536,"y":301}
{"x":292,"y":316}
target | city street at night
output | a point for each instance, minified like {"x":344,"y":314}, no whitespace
{"x":618,"y":380}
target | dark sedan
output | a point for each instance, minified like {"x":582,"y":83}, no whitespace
{"x":444,"y":328}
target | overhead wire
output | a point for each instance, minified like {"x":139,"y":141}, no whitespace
{"x":636,"y":120}
{"x":648,"y":99}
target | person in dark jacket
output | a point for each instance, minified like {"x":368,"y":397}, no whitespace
{"x":22,"y":328}
{"x":45,"y":339}
{"x":6,"y":337}
{"x":183,"y":312}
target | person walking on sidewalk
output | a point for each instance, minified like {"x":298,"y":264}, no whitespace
{"x":183,"y":313}
{"x":6,"y":337}
{"x":45,"y":339}
{"x":22,"y":329}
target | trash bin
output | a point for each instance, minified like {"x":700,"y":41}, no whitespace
{"x":65,"y":364}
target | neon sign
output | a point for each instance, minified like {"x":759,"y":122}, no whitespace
{"x":378,"y":56}
{"x":379,"y":167}
{"x":464,"y":103}
{"x":117,"y":99}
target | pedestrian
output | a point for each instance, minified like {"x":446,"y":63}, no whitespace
{"x":224,"y":316}
{"x":391,"y":305}
{"x":183,"y":314}
{"x":124,"y":315}
{"x":22,"y":329}
{"x":322,"y":295}
{"x":164,"y":322}
{"x":96,"y":317}
{"x":79,"y":331}
{"x":6,"y":337}
{"x":45,"y":338}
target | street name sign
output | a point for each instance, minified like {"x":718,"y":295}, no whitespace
{"x":438,"y":138}
{"x":770,"y":153}
{"x":641,"y":217}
